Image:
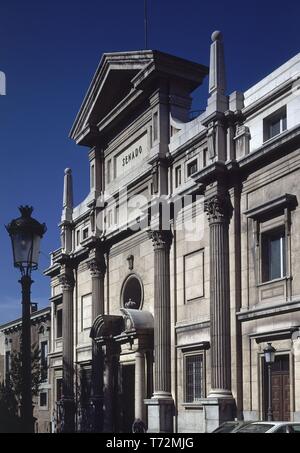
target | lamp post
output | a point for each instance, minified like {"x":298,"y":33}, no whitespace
{"x":25,"y":233}
{"x":269,"y":353}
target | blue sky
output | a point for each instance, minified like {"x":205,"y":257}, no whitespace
{"x":49,"y":51}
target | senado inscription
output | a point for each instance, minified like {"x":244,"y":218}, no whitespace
{"x":131,"y":156}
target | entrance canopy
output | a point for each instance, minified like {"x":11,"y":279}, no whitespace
{"x":132,"y":323}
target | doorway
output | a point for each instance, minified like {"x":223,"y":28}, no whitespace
{"x":127,"y":397}
{"x":280,"y":378}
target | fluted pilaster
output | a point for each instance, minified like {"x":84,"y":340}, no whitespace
{"x":219,"y":211}
{"x":67,"y":286}
{"x":162,"y":333}
{"x":139,"y":385}
{"x":97,"y":268}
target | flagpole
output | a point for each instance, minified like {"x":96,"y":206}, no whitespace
{"x":146,"y":24}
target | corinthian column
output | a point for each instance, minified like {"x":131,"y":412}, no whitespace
{"x":218,"y":208}
{"x":160,"y":407}
{"x":67,"y":285}
{"x":139,"y":385}
{"x":97,"y":268}
{"x":162,"y":333}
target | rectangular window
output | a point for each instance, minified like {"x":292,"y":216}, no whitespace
{"x":193,"y":378}
{"x":177,"y":176}
{"x":77,"y":238}
{"x":85,"y":233}
{"x":192,"y":167}
{"x":109,"y":174}
{"x":43,"y":399}
{"x":44,"y":360}
{"x":273,"y":255}
{"x":155,"y":126}
{"x":59,"y":323}
{"x":275,"y":124}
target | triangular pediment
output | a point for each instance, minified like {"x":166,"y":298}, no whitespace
{"x":111,"y":84}
{"x":120,"y":74}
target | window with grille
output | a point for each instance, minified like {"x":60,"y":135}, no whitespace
{"x":193,"y":378}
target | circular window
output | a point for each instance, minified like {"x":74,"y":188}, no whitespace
{"x":132,"y":293}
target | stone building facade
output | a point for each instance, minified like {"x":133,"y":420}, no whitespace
{"x":183,"y":261}
{"x":10,"y":337}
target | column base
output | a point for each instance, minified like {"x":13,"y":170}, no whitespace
{"x":220,"y":393}
{"x":217,"y":411}
{"x":160,"y":411}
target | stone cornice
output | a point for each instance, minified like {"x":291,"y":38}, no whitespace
{"x":188,"y":146}
{"x":285,"y":142}
{"x":267,"y":311}
{"x":187,"y":326}
{"x":272,"y":206}
{"x":42,"y":315}
{"x":268,"y":98}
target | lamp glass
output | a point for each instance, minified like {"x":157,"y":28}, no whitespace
{"x":269,"y":353}
{"x":26,"y":250}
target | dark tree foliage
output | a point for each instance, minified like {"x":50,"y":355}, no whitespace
{"x":10,"y":391}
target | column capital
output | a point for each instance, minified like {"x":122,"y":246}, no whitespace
{"x":97,"y":267}
{"x":66,"y":280}
{"x":161,"y":239}
{"x":218,"y":208}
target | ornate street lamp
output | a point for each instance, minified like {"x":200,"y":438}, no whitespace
{"x":26,"y":233}
{"x":269,"y":353}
